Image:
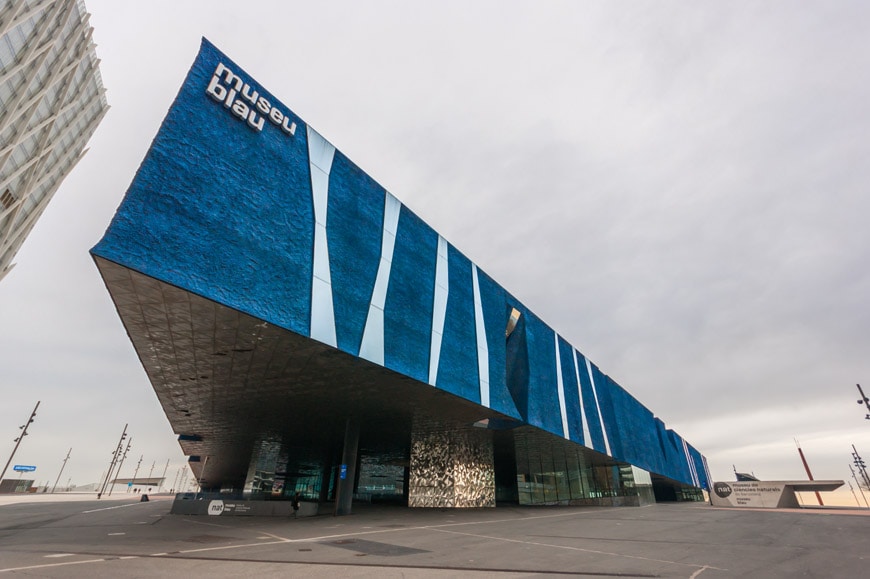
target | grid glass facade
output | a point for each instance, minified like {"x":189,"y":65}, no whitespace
{"x":51,"y":101}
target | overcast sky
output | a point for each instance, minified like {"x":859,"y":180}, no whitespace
{"x":678,"y":188}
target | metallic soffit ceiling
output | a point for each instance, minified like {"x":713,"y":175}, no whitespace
{"x":234,"y":380}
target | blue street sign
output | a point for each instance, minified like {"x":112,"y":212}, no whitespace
{"x":129,"y":484}
{"x":342,"y":472}
{"x":23,"y":468}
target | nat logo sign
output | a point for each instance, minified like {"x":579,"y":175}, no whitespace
{"x":215,"y":507}
{"x":722,"y":490}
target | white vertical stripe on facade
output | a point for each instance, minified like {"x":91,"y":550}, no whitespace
{"x":706,"y":470}
{"x":320,"y":155}
{"x":439,"y":309}
{"x":587,"y":437}
{"x":482,"y":347}
{"x":598,"y":406}
{"x":692,"y":471}
{"x":372,"y":346}
{"x":691,"y":464}
{"x":560,"y":385}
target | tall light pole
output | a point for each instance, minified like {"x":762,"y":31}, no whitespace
{"x":857,"y":502}
{"x":20,"y":437}
{"x":864,"y":400}
{"x":138,"y":464}
{"x":174,"y":486}
{"x":63,"y":466}
{"x":115,"y":455}
{"x":860,"y":490}
{"x":163,"y":477}
{"x":862,"y":468}
{"x":202,"y":474}
{"x":123,"y":458}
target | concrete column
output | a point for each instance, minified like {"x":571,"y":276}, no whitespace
{"x":325,"y":473}
{"x":347,"y":469}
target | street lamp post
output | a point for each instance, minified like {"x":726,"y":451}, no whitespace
{"x":63,"y":466}
{"x":163,"y":477}
{"x":138,"y":464}
{"x":123,"y":458}
{"x":201,"y":476}
{"x":19,"y":439}
{"x":862,"y":468}
{"x":174,"y":486}
{"x":115,"y":454}
{"x":860,"y":489}
{"x":864,"y":400}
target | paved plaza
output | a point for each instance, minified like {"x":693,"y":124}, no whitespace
{"x":122,"y":538}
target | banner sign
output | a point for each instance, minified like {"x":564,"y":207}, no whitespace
{"x":758,"y":494}
{"x":23,"y":468}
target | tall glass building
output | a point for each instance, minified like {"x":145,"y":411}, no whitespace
{"x":51,"y":101}
{"x":306,"y":332}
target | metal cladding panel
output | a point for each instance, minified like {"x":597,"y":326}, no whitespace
{"x":239,"y":202}
{"x":677,"y":464}
{"x":572,"y":394}
{"x":674,"y":461}
{"x":590,"y":405}
{"x":698,"y":465}
{"x":408,"y":309}
{"x":457,"y":370}
{"x":543,"y":394}
{"x":493,"y":299}
{"x":599,"y":409}
{"x":354,"y":229}
{"x":221,"y":209}
{"x":608,"y":412}
{"x":634,"y":427}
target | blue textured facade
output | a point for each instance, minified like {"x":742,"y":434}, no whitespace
{"x":227,"y":205}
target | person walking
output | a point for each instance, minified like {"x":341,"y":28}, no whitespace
{"x":295,"y":503}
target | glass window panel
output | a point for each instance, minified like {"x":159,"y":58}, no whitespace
{"x":563,"y":491}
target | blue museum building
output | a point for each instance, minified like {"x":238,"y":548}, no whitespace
{"x":306,"y":332}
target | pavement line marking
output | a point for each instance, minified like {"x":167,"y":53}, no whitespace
{"x":8,"y":569}
{"x":699,"y":571}
{"x":509,"y":520}
{"x":569,"y":548}
{"x":203,"y":523}
{"x":233,"y":547}
{"x":159,"y":554}
{"x":116,"y":534}
{"x":60,"y":555}
{"x":110,"y":508}
{"x":426,"y":527}
{"x":129,"y":557}
{"x":358,"y":533}
{"x":275,"y":537}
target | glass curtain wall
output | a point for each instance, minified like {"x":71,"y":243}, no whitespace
{"x":552,"y":473}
